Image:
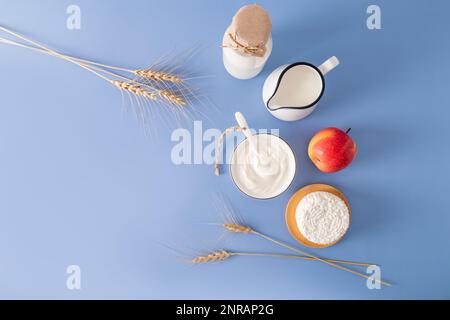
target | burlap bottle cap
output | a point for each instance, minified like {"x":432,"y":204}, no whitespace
{"x":249,"y":31}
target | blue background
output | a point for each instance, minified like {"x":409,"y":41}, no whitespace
{"x":79,"y":184}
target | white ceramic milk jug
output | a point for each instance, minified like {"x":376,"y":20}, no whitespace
{"x":291,"y":92}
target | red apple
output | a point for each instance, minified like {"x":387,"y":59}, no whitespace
{"x":331,"y":149}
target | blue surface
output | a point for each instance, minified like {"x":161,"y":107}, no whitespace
{"x":81,"y":185}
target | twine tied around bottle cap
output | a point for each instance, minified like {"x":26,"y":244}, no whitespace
{"x":254,"y":51}
{"x":227,"y":131}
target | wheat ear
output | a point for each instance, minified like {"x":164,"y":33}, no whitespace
{"x":145,"y":90}
{"x":212,"y":257}
{"x":171,"y":97}
{"x":236,"y":228}
{"x":135,"y":89}
{"x":167,"y":95}
{"x":157,"y":75}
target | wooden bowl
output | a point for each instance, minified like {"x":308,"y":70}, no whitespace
{"x":291,"y":220}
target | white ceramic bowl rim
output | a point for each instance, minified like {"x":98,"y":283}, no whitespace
{"x":293,"y":176}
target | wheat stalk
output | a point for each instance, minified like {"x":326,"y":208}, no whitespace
{"x":287,"y":256}
{"x":237,"y":228}
{"x":52,"y":52}
{"x":150,"y":74}
{"x":130,"y":85}
{"x":223,"y":255}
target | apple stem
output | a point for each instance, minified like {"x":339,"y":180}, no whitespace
{"x":348,"y":130}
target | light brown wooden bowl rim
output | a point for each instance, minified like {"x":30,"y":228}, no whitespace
{"x":291,"y":208}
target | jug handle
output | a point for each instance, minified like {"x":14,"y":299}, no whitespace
{"x":329,"y":65}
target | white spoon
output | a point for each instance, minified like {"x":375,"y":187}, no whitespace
{"x":242,"y":122}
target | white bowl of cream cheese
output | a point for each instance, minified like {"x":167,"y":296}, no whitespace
{"x":266,"y":172}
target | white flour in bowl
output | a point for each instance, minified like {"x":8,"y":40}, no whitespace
{"x":322,"y":217}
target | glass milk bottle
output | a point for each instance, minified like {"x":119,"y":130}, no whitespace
{"x":247,"y":42}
